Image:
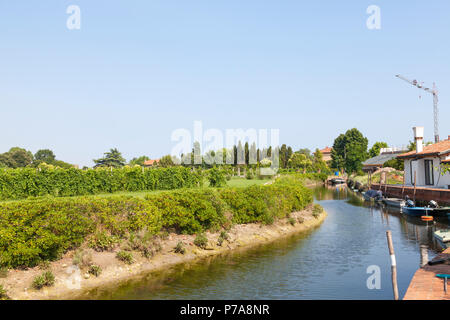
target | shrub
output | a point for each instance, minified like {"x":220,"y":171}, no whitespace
{"x":30,"y":182}
{"x":125,"y":256}
{"x":103,"y":242}
{"x":189,"y":211}
{"x":47,"y":279}
{"x":144,"y":242}
{"x":317,"y":210}
{"x":201,"y":241}
{"x":216,"y":177}
{"x":95,"y":270}
{"x":180,"y":248}
{"x":32,"y":231}
{"x":292,"y":221}
{"x":82,"y":259}
{"x":3,"y":272}
{"x":3,"y":293}
{"x":222,"y":237}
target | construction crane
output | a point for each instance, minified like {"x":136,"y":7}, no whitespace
{"x":434,"y":92}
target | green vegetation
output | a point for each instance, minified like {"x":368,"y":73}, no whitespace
{"x":101,"y":241}
{"x":317,"y":210}
{"x":145,"y":242}
{"x":47,"y":279}
{"x":349,"y":151}
{"x":28,"y":182}
{"x":32,"y":231}
{"x":216,"y":177}
{"x":201,"y":241}
{"x":95,"y":270}
{"x":3,"y":293}
{"x":292,"y":221}
{"x":3,"y":272}
{"x":376,"y":149}
{"x":180,"y":248}
{"x":125,"y":256}
{"x":82,"y":259}
{"x":393,"y":177}
{"x":222,"y":237}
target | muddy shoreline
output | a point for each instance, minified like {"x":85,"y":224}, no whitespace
{"x":74,"y":283}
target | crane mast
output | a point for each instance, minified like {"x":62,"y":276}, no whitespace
{"x":434,"y":92}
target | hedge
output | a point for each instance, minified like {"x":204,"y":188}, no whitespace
{"x":32,"y":231}
{"x":29,"y":182}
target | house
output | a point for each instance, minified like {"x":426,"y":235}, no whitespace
{"x":376,"y":163}
{"x":150,"y":163}
{"x":424,"y":165}
{"x":326,"y":153}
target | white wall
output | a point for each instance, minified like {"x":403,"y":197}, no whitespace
{"x":440,"y":181}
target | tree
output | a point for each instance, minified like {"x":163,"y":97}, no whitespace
{"x":138,"y":161}
{"x":306,"y":152}
{"x":45,"y":155}
{"x":113,"y":158}
{"x":349,"y":151}
{"x":376,"y":149}
{"x":16,"y":158}
{"x":395,"y":163}
{"x":319,"y":165}
{"x":166,"y":161}
{"x":299,"y":161}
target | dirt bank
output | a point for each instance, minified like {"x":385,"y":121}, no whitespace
{"x":71,"y":282}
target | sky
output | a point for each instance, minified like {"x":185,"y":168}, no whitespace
{"x":136,"y":71}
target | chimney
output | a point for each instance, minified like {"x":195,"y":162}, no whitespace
{"x":448,"y":137}
{"x":418,"y":138}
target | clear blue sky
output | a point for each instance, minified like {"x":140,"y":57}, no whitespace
{"x":137,"y":70}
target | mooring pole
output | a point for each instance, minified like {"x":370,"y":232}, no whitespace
{"x":423,"y":255}
{"x":393,"y":264}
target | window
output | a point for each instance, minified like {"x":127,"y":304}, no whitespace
{"x":429,"y":174}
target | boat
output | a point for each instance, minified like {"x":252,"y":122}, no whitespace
{"x":443,"y":236}
{"x":417,"y":211}
{"x":394,"y":202}
{"x":439,"y":211}
{"x":337,"y":181}
{"x":372,"y":195}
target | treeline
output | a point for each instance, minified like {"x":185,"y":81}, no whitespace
{"x":30,"y":182}
{"x":50,"y":227}
{"x":20,"y":158}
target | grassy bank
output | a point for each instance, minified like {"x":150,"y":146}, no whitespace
{"x":36,"y":231}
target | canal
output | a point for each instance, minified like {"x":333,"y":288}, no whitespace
{"x":329,"y":262}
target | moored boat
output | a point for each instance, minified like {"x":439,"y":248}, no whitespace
{"x":443,"y":236}
{"x":394,"y":202}
{"x":372,"y":195}
{"x":417,"y":211}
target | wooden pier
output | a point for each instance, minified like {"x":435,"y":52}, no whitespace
{"x":425,"y":285}
{"x":442,"y":196}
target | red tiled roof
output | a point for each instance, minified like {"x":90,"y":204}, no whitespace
{"x":446,"y":161}
{"x":326,"y":150}
{"x":150,"y":162}
{"x":440,"y":148}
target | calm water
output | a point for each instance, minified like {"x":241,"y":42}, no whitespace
{"x":329,"y":262}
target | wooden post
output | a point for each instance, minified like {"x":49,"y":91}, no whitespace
{"x":414,"y":186}
{"x":393,"y":264}
{"x":423,"y":255}
{"x":403,"y":188}
{"x":385,"y":182}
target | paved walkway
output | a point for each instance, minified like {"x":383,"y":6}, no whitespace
{"x":426,"y":286}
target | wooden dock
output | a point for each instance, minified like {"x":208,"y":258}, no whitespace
{"x":426,"y":286}
{"x":442,"y":196}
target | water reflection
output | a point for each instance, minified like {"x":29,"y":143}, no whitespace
{"x":327,"y":263}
